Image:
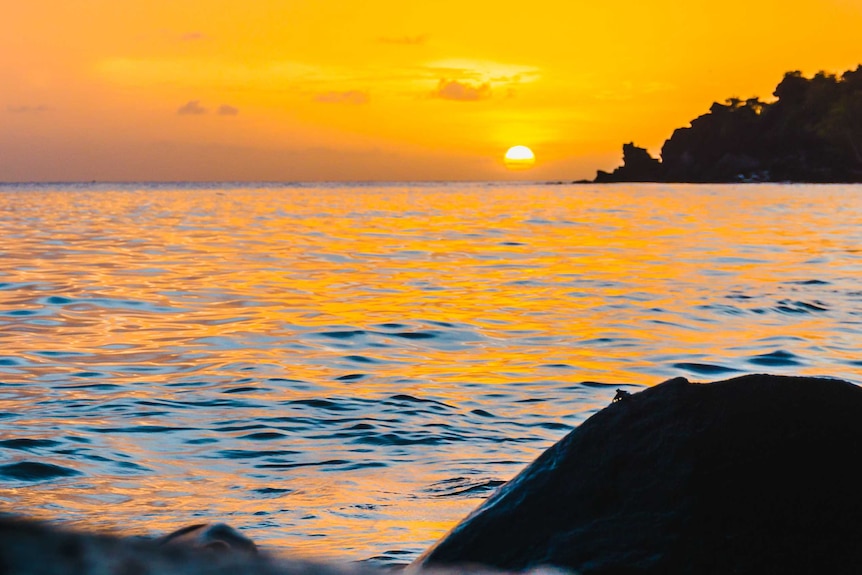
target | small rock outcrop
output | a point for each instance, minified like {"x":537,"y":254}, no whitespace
{"x":638,"y":166}
{"x":757,"y":474}
{"x":212,"y":537}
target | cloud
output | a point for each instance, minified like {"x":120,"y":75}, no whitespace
{"x":462,"y":91}
{"x":194,"y":108}
{"x":202,"y":73}
{"x":175,"y":36}
{"x":489,"y":70}
{"x":454,"y":73}
{"x":404,"y":40}
{"x":519,"y":78}
{"x":353,"y":97}
{"x":191,"y":108}
{"x":192,"y":36}
{"x":27,"y":109}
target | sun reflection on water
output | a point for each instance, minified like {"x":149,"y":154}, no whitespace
{"x":348,"y":370}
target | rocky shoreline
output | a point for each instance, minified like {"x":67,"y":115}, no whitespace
{"x":811,"y":133}
{"x":752,"y":475}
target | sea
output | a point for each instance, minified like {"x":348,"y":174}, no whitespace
{"x":344,"y":371}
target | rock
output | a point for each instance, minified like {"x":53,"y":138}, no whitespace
{"x":753,"y":475}
{"x":638,"y":166}
{"x":32,"y":548}
{"x":757,"y":474}
{"x":211,"y":536}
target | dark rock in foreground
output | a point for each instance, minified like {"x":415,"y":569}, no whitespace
{"x":754,"y":475}
{"x":31,"y":548}
{"x":757,"y":474}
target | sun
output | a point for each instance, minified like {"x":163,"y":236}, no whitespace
{"x":519,"y":158}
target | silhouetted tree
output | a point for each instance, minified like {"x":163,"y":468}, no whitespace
{"x":841,"y":125}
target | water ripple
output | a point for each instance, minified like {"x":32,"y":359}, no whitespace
{"x":704,"y":368}
{"x":779,"y":358}
{"x":463,"y":487}
{"x":32,"y":471}
{"x":352,"y":367}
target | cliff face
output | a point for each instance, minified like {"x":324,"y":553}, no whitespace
{"x":812,"y":132}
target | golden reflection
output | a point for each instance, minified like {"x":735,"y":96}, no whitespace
{"x":184,"y":326}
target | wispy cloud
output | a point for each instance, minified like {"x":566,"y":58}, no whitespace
{"x":418,"y":40}
{"x":27,"y":109}
{"x":194,"y":72}
{"x":192,"y":36}
{"x":353,"y":97}
{"x":175,"y":36}
{"x":492,"y":71}
{"x":462,"y":91}
{"x":191,"y":108}
{"x":227,"y":110}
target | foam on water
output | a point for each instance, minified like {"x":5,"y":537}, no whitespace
{"x":348,"y":370}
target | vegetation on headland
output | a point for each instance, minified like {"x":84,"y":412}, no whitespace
{"x":812,"y":132}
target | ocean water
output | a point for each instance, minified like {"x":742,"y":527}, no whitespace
{"x":345,"y":371}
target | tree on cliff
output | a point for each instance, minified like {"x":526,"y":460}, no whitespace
{"x":811,"y":132}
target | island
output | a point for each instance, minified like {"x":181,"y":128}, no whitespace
{"x":812,"y":132}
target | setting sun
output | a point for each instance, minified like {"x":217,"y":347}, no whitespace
{"x":519,"y":158}
{"x":146,"y":90}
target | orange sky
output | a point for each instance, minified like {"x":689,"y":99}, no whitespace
{"x":382,"y":89}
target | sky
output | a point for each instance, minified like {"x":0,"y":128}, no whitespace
{"x":334,"y":90}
